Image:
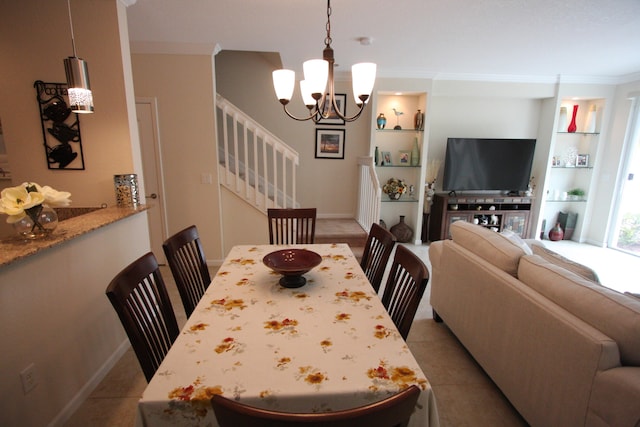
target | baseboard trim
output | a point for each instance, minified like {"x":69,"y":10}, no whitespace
{"x":72,"y":406}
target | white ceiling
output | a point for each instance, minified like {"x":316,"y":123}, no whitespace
{"x":526,"y":40}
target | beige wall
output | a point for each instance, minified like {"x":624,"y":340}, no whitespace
{"x":244,"y":78}
{"x":53,"y":310}
{"x":34,"y":39}
{"x":183,"y":87}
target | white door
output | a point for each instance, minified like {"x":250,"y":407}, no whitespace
{"x":152,"y":170}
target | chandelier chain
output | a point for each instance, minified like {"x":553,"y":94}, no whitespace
{"x":327,"y":40}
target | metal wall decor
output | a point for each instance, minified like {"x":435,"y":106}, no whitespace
{"x":60,"y":128}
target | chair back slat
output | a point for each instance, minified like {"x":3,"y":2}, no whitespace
{"x":139,"y":297}
{"x":405,"y":286}
{"x":394,"y":411}
{"x":376,"y":254}
{"x":188,"y":265}
{"x":292,"y":226}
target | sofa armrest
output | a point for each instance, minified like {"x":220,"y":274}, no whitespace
{"x":614,"y":398}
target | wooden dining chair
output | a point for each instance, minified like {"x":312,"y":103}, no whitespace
{"x":376,"y":254}
{"x":394,"y":411}
{"x":405,"y":286}
{"x":188,"y":266}
{"x":140,"y":298}
{"x":291,"y":226}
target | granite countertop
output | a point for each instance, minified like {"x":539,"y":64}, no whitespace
{"x":15,"y":248}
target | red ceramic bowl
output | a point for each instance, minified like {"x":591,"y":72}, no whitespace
{"x":292,"y":264}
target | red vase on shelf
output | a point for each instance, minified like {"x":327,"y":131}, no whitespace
{"x":572,"y":126}
{"x":556,"y":233}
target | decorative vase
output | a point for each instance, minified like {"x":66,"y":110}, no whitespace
{"x":418,"y":120}
{"x":562,"y":120}
{"x":415,"y":153}
{"x":127,"y":190}
{"x":381,"y":121}
{"x":402,"y":231}
{"x":376,"y":157}
{"x":572,"y":126}
{"x":394,"y":196}
{"x":591,"y":120}
{"x":38,"y":223}
{"x":556,"y":233}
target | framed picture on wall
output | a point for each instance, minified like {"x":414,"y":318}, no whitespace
{"x":330,"y":143}
{"x":341,"y":103}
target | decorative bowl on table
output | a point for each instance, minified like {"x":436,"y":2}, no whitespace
{"x":292,"y":264}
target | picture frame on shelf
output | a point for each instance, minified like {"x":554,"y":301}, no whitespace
{"x":385,"y":158}
{"x":405,"y":158}
{"x":582,"y":161}
{"x":333,"y":118}
{"x":330,"y":143}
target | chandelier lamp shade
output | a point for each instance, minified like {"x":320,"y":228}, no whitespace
{"x":318,"y":73}
{"x":78,"y":85}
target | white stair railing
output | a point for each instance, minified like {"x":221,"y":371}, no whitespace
{"x":254,"y":164}
{"x":369,"y":193}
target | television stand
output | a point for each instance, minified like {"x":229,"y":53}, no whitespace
{"x":496,"y":212}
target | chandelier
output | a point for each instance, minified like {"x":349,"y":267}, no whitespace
{"x":320,"y":102}
{"x":79,"y":88}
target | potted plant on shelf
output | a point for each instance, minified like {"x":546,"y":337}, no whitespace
{"x":576,"y":194}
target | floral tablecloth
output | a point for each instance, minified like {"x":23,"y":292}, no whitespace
{"x":328,"y":345}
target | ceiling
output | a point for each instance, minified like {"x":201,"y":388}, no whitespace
{"x":517,"y":40}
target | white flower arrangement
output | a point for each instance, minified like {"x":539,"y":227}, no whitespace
{"x":28,"y":199}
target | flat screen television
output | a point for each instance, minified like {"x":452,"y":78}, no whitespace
{"x":488,"y":164}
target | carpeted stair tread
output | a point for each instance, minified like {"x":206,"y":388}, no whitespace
{"x":342,"y":231}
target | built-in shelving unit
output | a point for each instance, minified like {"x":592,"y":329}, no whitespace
{"x":394,"y":148}
{"x":573,"y":157}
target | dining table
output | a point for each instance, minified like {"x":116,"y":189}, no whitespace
{"x":325,"y":346}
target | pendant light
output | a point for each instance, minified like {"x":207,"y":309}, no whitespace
{"x":79,"y":87}
{"x":317,"y":72}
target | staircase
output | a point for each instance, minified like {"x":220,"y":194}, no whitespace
{"x":261,"y":169}
{"x":342,"y":231}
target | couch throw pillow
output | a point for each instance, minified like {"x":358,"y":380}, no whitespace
{"x":557,"y":259}
{"x":517,"y":240}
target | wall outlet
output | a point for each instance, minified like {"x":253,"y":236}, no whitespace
{"x":28,"y":377}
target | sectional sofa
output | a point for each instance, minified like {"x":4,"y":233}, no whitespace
{"x":563,"y":349}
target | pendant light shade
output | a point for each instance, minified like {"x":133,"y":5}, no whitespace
{"x":79,"y":87}
{"x":364,"y":77}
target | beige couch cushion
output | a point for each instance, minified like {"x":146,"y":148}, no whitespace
{"x":613,"y":313}
{"x":493,"y":247}
{"x":559,"y":260}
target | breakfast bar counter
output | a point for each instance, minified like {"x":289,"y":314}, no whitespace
{"x":14,"y":248}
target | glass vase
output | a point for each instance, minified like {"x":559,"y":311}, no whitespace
{"x":572,"y":126}
{"x":38,"y":223}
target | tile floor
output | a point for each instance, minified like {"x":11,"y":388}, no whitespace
{"x":465,"y":395}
